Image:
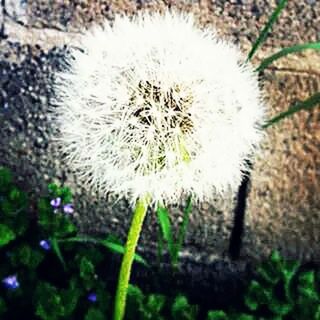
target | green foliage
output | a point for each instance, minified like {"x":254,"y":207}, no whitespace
{"x":94,"y":314}
{"x":6,"y":235}
{"x":284,"y":52}
{"x":217,"y":315}
{"x":182,"y":310}
{"x":283,"y":290}
{"x":13,"y":204}
{"x":265,"y":31}
{"x":166,"y":233}
{"x":279,"y":290}
{"x":24,"y":255}
{"x":55,"y":225}
{"x":111,"y":243}
{"x":144,"y":307}
{"x":307,"y":104}
{"x":63,"y":192}
{"x":48,"y":302}
{"x":87,"y":272}
{"x":52,"y":303}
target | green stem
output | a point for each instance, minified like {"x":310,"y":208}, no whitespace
{"x":126,"y":265}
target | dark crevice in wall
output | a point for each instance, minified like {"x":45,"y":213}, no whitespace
{"x":237,"y":232}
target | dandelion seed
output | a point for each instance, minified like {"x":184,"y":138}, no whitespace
{"x":155,"y":105}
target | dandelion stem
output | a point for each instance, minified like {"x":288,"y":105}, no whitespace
{"x":126,"y":265}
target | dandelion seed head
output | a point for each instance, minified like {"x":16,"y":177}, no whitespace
{"x":156,"y":105}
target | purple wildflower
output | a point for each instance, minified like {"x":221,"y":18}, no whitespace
{"x":92,"y":297}
{"x":45,"y":244}
{"x":56,"y":202}
{"x":11,"y":282}
{"x":68,"y":208}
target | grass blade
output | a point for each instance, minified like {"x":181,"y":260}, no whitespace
{"x":118,"y":248}
{"x":183,"y":228}
{"x":304,"y":105}
{"x":111,"y":245}
{"x":164,"y":221}
{"x":294,"y":49}
{"x":264,"y":33}
{"x":57,"y":251}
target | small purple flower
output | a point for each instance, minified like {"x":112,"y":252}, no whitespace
{"x":56,"y":202}
{"x":68,"y":208}
{"x":45,"y":244}
{"x":11,"y":282}
{"x":92,"y":297}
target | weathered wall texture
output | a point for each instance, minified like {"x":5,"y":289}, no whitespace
{"x":283,"y":207}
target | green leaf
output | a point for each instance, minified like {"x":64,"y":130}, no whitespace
{"x":70,"y":297}
{"x":307,"y":285}
{"x":268,"y":273}
{"x":118,"y":248}
{"x":113,"y":246}
{"x":62,"y":226}
{"x":57,"y":251}
{"x":135,"y":299}
{"x":87,"y":272}
{"x":26,"y":256}
{"x":94,"y":314}
{"x":243,"y":316}
{"x":153,"y":307}
{"x":165,"y":225}
{"x":264,"y":32}
{"x":6,"y":235}
{"x":53,"y":188}
{"x":5,"y":179}
{"x":257,"y":295}
{"x":290,"y":269}
{"x":63,"y":192}
{"x":182,"y":310}
{"x":66,"y":194}
{"x":86,"y":268}
{"x":46,"y":217}
{"x":280,"y":308}
{"x":6,"y":206}
{"x":284,"y":52}
{"x":307,"y":104}
{"x":183,"y":229}
{"x":48,"y":302}
{"x":217,"y":315}
{"x":18,"y":197}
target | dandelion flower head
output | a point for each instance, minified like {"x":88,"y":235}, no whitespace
{"x":157,"y":105}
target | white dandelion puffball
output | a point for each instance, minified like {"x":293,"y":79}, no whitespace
{"x":154,"y":105}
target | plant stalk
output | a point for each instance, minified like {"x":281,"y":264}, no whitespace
{"x":126,"y":265}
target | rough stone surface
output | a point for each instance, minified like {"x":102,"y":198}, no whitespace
{"x":284,"y":201}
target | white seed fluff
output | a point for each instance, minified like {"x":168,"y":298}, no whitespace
{"x":154,"y":105}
